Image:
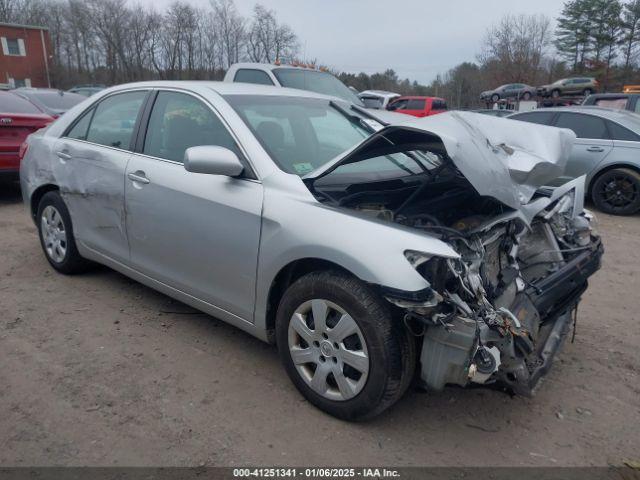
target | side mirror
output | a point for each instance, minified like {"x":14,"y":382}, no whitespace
{"x":212,"y":160}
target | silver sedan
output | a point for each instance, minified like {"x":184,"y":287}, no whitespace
{"x":365,"y":251}
{"x":606,"y":150}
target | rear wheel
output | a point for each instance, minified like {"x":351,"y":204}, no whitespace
{"x":617,"y":191}
{"x":341,"y":347}
{"x":555,"y":93}
{"x":587,"y":92}
{"x":56,"y":235}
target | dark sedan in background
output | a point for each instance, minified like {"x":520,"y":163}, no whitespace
{"x":49,"y":100}
{"x":607,"y":151}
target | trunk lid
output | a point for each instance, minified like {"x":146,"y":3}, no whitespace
{"x":15,"y":127}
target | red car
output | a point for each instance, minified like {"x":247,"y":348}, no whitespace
{"x":18,"y":119}
{"x":418,"y":106}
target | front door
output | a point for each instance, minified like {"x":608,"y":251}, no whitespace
{"x":194,"y":232}
{"x":91,"y":162}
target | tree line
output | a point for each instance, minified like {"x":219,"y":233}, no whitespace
{"x":113,"y":41}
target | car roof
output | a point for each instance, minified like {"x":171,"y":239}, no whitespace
{"x":381,"y":93}
{"x":270,"y":66}
{"x":623,"y":117}
{"x":418,"y":97}
{"x":224,"y":88}
{"x":614,"y":95}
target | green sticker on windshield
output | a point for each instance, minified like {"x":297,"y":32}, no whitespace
{"x":302,"y":168}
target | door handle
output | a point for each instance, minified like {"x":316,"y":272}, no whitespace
{"x":63,"y":155}
{"x":138,"y":177}
{"x":595,"y":149}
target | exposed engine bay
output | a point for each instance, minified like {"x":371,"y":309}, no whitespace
{"x":499,"y":312}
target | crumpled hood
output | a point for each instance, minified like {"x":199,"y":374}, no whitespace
{"x":504,"y":159}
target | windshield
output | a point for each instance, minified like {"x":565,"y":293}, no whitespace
{"x":300,"y":134}
{"x":397,"y":163}
{"x":10,"y":103}
{"x":315,"y":81}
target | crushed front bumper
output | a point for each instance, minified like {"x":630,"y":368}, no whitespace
{"x":449,"y":355}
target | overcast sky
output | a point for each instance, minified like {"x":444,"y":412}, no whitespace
{"x":417,"y":38}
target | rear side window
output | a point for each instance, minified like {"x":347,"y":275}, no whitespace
{"x":584,"y":126}
{"x":438,"y":104}
{"x":372,"y":102}
{"x":618,"y":132}
{"x":246,"y":75}
{"x":415,"y":104}
{"x":541,"y":118}
{"x":179,"y":121}
{"x":114,"y":119}
{"x":10,"y":103}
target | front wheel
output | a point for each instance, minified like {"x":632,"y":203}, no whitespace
{"x":526,"y":96}
{"x":587,"y":92}
{"x":341,"y":347}
{"x":495,"y":97}
{"x":555,"y":94}
{"x":617,"y":191}
{"x":56,"y":235}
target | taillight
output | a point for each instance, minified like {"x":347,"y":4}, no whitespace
{"x":24,"y":146}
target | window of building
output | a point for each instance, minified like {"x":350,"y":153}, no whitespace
{"x":13,"y":46}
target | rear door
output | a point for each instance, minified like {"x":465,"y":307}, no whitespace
{"x":92,"y":157}
{"x":590,"y":148}
{"x":197,"y":233}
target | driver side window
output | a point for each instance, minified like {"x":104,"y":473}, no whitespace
{"x":179,"y":121}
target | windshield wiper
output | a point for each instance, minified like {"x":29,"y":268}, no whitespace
{"x":355,"y":119}
{"x":365,"y":113}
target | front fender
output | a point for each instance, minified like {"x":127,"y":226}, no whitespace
{"x":296,"y":226}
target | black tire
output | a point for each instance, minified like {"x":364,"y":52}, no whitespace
{"x":391,"y":350}
{"x":587,"y":92}
{"x":71,"y":262}
{"x":555,"y":93}
{"x":495,"y":97}
{"x":526,"y":96}
{"x":617,"y":191}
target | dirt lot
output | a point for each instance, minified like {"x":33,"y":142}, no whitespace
{"x":100,"y":370}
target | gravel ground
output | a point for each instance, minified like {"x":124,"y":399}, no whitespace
{"x":100,"y":370}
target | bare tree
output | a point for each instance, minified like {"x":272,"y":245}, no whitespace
{"x":268,"y":41}
{"x":518,"y":43}
{"x":231,"y":28}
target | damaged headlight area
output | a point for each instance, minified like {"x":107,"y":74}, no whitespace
{"x":499,"y":313}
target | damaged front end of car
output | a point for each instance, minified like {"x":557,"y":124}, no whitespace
{"x":499,"y":312}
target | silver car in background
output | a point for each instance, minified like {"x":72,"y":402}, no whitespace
{"x":606,"y":150}
{"x":518,"y":91}
{"x":367,"y":252}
